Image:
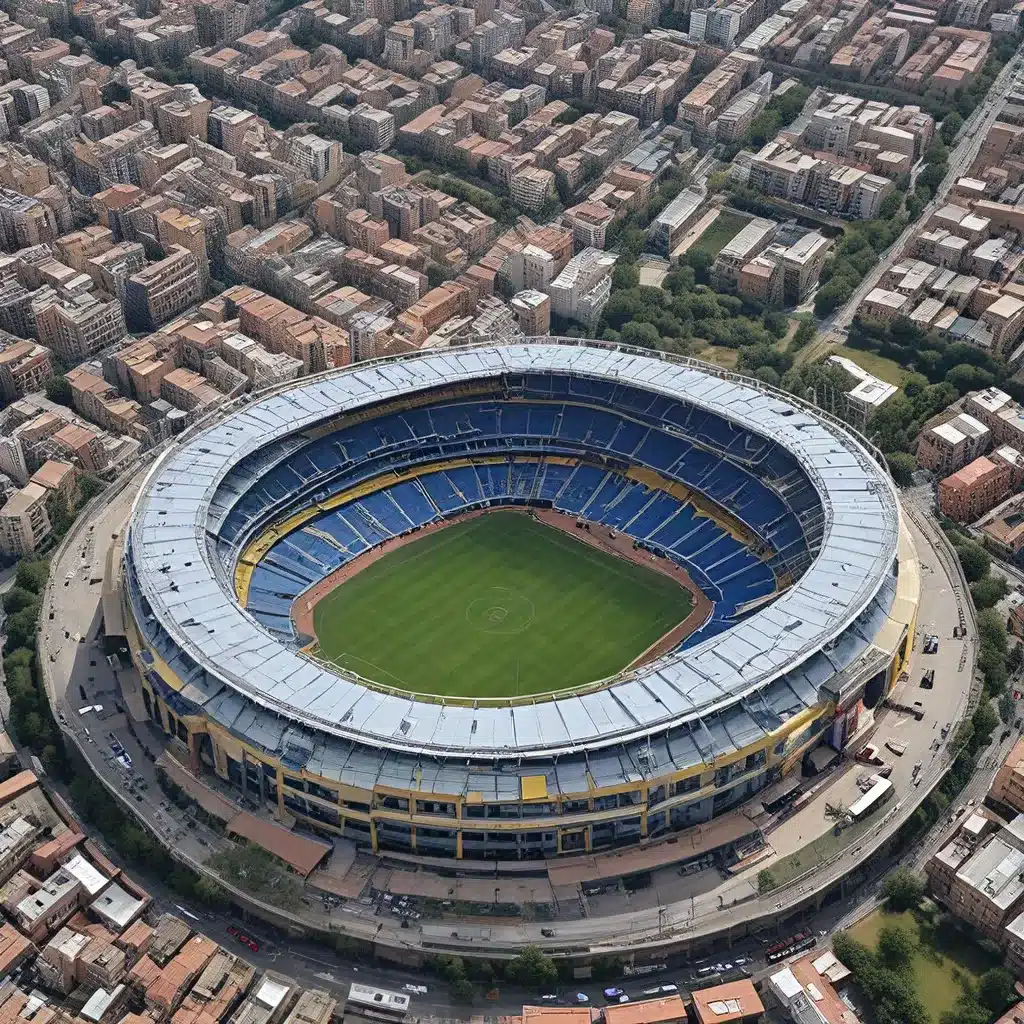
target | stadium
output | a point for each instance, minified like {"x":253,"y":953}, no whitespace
{"x":516,"y":601}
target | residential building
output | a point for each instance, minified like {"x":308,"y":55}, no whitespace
{"x":978,"y":875}
{"x":24,"y":367}
{"x":164,"y":289}
{"x":581,"y":290}
{"x":24,"y":523}
{"x":736,"y":1002}
{"x":806,"y":990}
{"x":950,"y":446}
{"x":533,"y":311}
{"x":1008,"y":785}
{"x":973,"y":490}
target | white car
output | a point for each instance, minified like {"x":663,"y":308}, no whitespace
{"x":419,"y":990}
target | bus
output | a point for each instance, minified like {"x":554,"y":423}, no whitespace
{"x":376,"y":1002}
{"x":881,"y":790}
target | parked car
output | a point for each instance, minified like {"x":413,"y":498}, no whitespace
{"x":550,"y":997}
{"x":612,"y":993}
{"x":582,"y":997}
{"x":233,"y":931}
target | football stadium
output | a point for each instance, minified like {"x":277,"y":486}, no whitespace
{"x":516,"y":601}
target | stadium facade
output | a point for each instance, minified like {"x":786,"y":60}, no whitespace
{"x":781,"y":515}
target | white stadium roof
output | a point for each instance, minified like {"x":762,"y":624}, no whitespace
{"x":194,"y":602}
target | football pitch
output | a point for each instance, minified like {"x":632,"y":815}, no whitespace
{"x":497,"y":606}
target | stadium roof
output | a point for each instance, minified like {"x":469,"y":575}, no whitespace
{"x":193,"y":600}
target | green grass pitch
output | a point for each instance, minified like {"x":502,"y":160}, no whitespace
{"x":497,"y":606}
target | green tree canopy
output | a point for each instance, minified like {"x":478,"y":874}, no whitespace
{"x":974,"y":559}
{"x":896,"y":947}
{"x":995,"y":989}
{"x":58,"y":389}
{"x":32,"y":574}
{"x":902,"y":466}
{"x":532,"y":969}
{"x":902,"y":889}
{"x":989,"y":590}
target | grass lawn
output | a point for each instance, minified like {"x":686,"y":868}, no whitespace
{"x":721,"y":356}
{"x":943,"y":957}
{"x":817,"y":851}
{"x":884,"y":369}
{"x":726,"y":225}
{"x":497,"y":606}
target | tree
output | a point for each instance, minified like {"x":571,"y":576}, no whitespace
{"x":902,"y":466}
{"x":985,"y":720}
{"x":32,"y":574}
{"x":451,"y":967}
{"x":58,"y":389}
{"x":965,"y":377}
{"x":462,"y":990}
{"x":974,"y":560}
{"x":965,"y":1011}
{"x":951,"y":124}
{"x":832,"y":295}
{"x":625,"y":275}
{"x":642,"y":334}
{"x":804,"y":333}
{"x":765,"y":881}
{"x":895,"y":947}
{"x":891,"y":206}
{"x":988,"y":591}
{"x":995,"y":989}
{"x":532,"y":969}
{"x":17,"y":598}
{"x":1007,"y":706}
{"x":1016,"y":657}
{"x":89,"y":487}
{"x":902,"y":889}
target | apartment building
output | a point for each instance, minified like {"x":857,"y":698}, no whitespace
{"x":59,"y":478}
{"x":532,"y":187}
{"x":80,"y":328}
{"x":1008,"y":785}
{"x":581,"y":290}
{"x":24,"y":523}
{"x":669,"y":227}
{"x":1000,"y":413}
{"x":979,"y":874}
{"x":24,"y":367}
{"x":974,"y":490}
{"x":589,"y":222}
{"x":750,"y":240}
{"x":945,"y":448}
{"x":533,"y":312}
{"x":779,"y":170}
{"x":164,"y":289}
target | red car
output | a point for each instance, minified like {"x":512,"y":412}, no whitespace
{"x":251,"y":943}
{"x":233,"y":931}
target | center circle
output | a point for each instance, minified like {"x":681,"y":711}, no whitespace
{"x":501,"y":611}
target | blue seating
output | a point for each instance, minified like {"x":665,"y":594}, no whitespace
{"x":749,"y":476}
{"x":764,"y":489}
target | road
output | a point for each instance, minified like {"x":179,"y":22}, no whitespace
{"x":972,"y":134}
